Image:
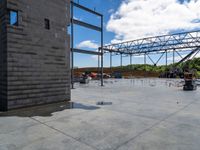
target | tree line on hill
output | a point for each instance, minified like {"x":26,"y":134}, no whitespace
{"x":193,"y":64}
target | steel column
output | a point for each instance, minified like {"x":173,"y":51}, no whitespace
{"x":145,"y":62}
{"x":145,"y":59}
{"x":166,"y":62}
{"x":72,"y":47}
{"x":111,"y":62}
{"x":173,"y":56}
{"x":121,"y":60}
{"x":166,"y":58}
{"x":102,"y":51}
{"x":131,"y":62}
{"x":99,"y":70}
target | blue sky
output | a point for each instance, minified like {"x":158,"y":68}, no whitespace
{"x":101,"y":6}
{"x":83,"y":34}
{"x":132,"y":19}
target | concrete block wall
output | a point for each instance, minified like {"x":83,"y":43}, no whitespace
{"x":3,"y":56}
{"x":38,"y":59}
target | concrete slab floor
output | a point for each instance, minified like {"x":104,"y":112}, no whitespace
{"x":146,"y":114}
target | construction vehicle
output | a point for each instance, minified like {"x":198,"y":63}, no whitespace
{"x":188,"y":74}
{"x":177,"y":72}
{"x":85,"y":78}
{"x":190,"y":81}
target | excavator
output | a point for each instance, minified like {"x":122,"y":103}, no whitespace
{"x":189,"y":74}
{"x":190,"y":80}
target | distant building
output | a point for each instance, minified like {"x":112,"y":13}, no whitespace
{"x":34,"y":52}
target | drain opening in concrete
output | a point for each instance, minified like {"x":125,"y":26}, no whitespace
{"x":104,"y":103}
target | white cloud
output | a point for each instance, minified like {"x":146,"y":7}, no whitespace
{"x":95,"y":57}
{"x":140,"y":18}
{"x":111,"y":11}
{"x":88,"y":44}
{"x":77,"y":18}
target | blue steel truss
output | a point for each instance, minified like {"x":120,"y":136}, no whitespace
{"x":158,"y":44}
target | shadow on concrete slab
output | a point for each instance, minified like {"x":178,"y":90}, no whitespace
{"x":46,"y":110}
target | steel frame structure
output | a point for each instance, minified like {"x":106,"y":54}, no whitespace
{"x":74,"y":21}
{"x":187,"y":42}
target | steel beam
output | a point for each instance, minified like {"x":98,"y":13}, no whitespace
{"x":82,"y":51}
{"x":85,"y":8}
{"x":87,"y":25}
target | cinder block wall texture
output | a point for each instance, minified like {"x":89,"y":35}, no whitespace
{"x":35,"y":62}
{"x":3,"y":56}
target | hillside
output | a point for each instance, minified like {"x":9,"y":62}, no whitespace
{"x":145,"y":70}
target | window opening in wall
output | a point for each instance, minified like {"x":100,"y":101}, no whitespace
{"x":47,"y":24}
{"x":13,"y":18}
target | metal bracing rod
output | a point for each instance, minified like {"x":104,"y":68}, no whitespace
{"x":151,"y":59}
{"x":160,"y":58}
{"x":72,"y":47}
{"x":196,"y":53}
{"x":179,"y":54}
{"x":187,"y":57}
